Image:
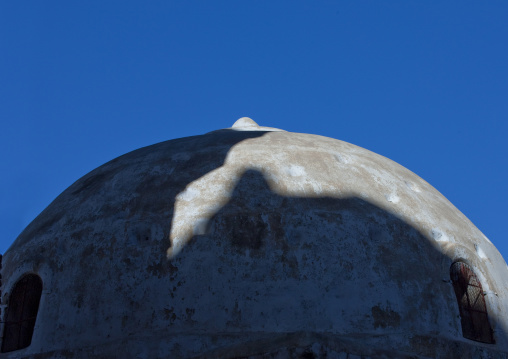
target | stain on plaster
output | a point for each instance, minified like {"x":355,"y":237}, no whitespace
{"x":385,"y":317}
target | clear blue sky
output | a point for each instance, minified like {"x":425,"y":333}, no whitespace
{"x":424,"y":83}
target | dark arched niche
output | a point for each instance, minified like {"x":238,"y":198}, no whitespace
{"x":21,"y":313}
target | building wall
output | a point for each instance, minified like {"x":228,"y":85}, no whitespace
{"x":225,"y":239}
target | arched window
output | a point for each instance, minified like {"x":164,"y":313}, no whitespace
{"x":472,"y":307}
{"x":21,"y":313}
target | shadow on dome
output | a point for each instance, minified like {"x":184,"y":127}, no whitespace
{"x":274,"y":274}
{"x":260,"y":270}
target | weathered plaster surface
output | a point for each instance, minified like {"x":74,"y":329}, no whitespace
{"x":253,"y":242}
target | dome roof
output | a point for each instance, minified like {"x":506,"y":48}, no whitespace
{"x":253,"y":240}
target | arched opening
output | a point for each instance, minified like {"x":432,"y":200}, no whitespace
{"x":21,"y":313}
{"x":473,"y":309}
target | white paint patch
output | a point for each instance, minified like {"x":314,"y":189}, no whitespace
{"x":480,"y":252}
{"x":392,"y":197}
{"x":412,"y":186}
{"x":295,"y":171}
{"x":439,"y":236}
{"x":316,"y":186}
{"x":189,"y":194}
{"x":341,"y":158}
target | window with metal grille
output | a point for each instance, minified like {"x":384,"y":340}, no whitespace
{"x":21,"y":313}
{"x":472,"y":306}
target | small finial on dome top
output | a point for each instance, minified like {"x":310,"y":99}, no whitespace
{"x":245,"y":122}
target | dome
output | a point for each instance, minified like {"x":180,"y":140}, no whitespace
{"x":253,"y":242}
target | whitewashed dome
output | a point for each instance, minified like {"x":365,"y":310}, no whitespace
{"x":254,"y":241}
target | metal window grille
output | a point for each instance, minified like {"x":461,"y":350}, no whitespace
{"x":472,"y":306}
{"x":21,"y":313}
